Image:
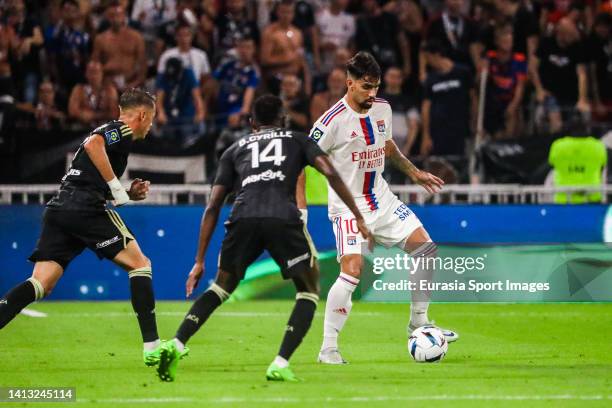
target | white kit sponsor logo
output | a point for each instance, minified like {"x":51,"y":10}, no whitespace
{"x":108,"y":242}
{"x":267,"y":175}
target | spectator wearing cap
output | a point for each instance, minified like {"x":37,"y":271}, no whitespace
{"x":447,"y":103}
{"x":237,"y":79}
{"x":180,"y":109}
{"x":121,"y":51}
{"x":559,"y":74}
{"x":94,"y":102}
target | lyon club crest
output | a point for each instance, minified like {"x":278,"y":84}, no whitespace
{"x":381,"y":126}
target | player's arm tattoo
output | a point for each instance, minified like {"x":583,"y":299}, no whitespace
{"x":209,"y":219}
{"x":398,"y":160}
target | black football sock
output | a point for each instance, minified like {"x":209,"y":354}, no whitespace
{"x":143,"y":302}
{"x":18,"y":298}
{"x":200,"y":311}
{"x":299,"y":323}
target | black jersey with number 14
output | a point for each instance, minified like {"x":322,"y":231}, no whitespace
{"x":264,"y":168}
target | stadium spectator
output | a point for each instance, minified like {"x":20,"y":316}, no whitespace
{"x":95,"y":102}
{"x":185,"y":15}
{"x":120,"y":50}
{"x":447,"y":103}
{"x":599,"y":47}
{"x":559,"y":74}
{"x":47,"y":116}
{"x":180,"y":109}
{"x":507,"y":74}
{"x":68,"y":47}
{"x":336,"y":88}
{"x":379,"y":33}
{"x":295,"y":102}
{"x":231,"y":24}
{"x":456,"y":33}
{"x":192,"y":58}
{"x":205,"y":30}
{"x":151,"y":15}
{"x":28,"y":39}
{"x":336,"y":29}
{"x":237,"y":80}
{"x":412,"y":22}
{"x":405,"y":113}
{"x":525,"y":28}
{"x":282,"y":49}
{"x":7,"y":41}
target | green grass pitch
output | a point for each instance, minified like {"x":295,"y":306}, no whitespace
{"x":526,"y":355}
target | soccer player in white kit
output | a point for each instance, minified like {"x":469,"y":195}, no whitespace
{"x":356,"y":133}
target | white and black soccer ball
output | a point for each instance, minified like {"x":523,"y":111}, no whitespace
{"x":427,"y":344}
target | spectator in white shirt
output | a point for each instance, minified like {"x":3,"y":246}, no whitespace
{"x":193,"y":58}
{"x":336,"y":28}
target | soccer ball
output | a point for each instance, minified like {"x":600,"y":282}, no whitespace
{"x":427,"y":344}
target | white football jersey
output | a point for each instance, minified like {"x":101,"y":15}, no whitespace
{"x":355,"y":144}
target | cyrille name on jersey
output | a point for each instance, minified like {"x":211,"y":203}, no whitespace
{"x":264,"y":136}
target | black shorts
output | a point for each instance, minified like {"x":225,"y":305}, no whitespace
{"x":65,"y":234}
{"x":246,"y":238}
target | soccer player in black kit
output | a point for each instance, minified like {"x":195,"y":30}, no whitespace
{"x":264,"y":167}
{"x":77,"y":218}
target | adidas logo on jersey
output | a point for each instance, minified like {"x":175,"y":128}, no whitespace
{"x":341,"y":310}
{"x":354,"y":135}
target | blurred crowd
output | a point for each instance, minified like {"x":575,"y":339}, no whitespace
{"x":452,"y":68}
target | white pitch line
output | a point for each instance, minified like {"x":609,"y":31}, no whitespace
{"x":367,"y":399}
{"x":33,"y":313}
{"x":226,"y":314}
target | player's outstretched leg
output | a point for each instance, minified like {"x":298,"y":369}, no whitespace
{"x":297,"y":326}
{"x":173,"y":350}
{"x":43,"y":280}
{"x":139,"y":271}
{"x":338,"y":307}
{"x":419,"y":245}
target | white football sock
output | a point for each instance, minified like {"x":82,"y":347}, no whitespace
{"x":179,"y":345}
{"x":151,"y":345}
{"x":424,"y":271}
{"x":281,"y":362}
{"x":338,"y":308}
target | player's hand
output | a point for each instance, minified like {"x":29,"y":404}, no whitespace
{"x":429,"y":182}
{"x":365,"y":232}
{"x":194,"y":278}
{"x":139,"y":189}
{"x":120,"y":195}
